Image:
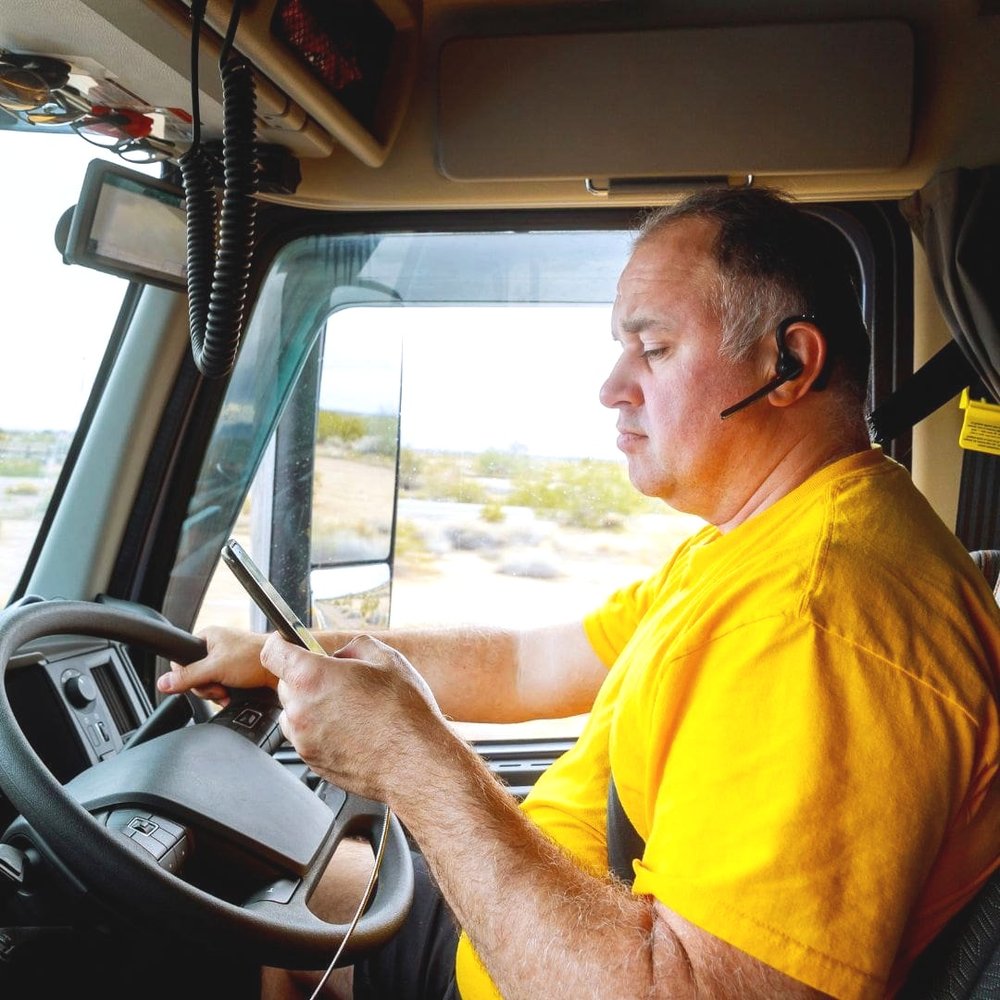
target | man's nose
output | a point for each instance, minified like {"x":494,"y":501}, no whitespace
{"x":619,"y":388}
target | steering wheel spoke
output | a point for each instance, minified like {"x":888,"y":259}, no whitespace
{"x":356,"y":817}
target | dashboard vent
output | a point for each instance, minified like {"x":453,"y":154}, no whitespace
{"x":122,"y":713}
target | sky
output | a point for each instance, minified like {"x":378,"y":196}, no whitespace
{"x":56,"y":318}
{"x":541,"y":367}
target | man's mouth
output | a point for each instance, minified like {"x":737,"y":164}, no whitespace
{"x":628,"y":438}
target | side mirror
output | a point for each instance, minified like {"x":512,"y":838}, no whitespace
{"x":351,"y":597}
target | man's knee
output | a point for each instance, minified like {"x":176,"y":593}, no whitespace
{"x":335,"y":900}
{"x":342,"y":886}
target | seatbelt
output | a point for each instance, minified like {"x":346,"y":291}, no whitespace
{"x":939,"y":379}
{"x":624,"y":843}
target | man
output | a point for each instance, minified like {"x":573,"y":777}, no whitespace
{"x":813,"y":777}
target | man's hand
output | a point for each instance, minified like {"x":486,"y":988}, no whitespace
{"x":358,"y":718}
{"x":232,"y":661}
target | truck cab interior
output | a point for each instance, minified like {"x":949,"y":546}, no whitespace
{"x":334,"y":278}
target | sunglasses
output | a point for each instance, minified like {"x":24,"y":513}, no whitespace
{"x":36,"y":89}
{"x":27,"y":82}
{"x":132,"y":149}
{"x":124,"y":132}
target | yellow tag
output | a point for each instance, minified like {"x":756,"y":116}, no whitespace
{"x":980,"y":425}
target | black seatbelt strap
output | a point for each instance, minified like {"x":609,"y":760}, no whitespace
{"x":624,"y":843}
{"x":939,"y":379}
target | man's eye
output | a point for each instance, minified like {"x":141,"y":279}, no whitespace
{"x":652,"y":353}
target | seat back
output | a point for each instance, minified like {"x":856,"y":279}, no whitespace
{"x":963,"y":962}
{"x":988,"y":560}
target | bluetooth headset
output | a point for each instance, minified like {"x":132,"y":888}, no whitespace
{"x":787,"y":367}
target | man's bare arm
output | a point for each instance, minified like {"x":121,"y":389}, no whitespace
{"x":500,"y":675}
{"x":476,"y":674}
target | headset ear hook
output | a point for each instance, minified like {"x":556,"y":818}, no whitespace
{"x":787,"y":366}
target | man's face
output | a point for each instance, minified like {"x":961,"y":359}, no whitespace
{"x":670,"y":383}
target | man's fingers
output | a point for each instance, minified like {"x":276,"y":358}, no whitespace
{"x":212,"y":692}
{"x":366,"y":647}
{"x":183,"y":678}
{"x":378,"y":653}
{"x":173,"y":682}
{"x":278,"y":655}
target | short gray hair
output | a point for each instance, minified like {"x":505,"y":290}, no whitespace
{"x":774,"y":260}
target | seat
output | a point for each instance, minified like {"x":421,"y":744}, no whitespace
{"x":988,"y":560}
{"x":963,"y":962}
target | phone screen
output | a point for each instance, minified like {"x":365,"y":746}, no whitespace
{"x":270,"y":602}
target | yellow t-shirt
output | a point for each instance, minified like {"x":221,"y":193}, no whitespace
{"x":801,"y":716}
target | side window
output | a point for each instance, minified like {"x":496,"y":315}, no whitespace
{"x":58,"y":321}
{"x":355,"y":469}
{"x":514,"y":506}
{"x":444,"y":458}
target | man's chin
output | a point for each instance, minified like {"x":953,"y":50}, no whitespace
{"x":655,"y":485}
{"x":647,"y":485}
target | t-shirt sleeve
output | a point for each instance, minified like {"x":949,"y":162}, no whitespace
{"x":611,"y":626}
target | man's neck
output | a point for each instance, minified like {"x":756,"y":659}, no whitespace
{"x":789,"y":468}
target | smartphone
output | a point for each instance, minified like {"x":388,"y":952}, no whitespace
{"x":276,"y":610}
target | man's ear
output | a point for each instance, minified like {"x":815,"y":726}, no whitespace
{"x":804,"y":348}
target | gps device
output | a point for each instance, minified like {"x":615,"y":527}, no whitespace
{"x":285,"y":621}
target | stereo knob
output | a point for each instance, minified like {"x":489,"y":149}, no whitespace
{"x":80,"y":689}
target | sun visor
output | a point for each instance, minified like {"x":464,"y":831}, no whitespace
{"x":774,"y":99}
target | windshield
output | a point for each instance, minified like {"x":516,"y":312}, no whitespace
{"x":57,"y":323}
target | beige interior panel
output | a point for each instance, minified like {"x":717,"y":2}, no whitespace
{"x":937,"y":458}
{"x":795,"y":99}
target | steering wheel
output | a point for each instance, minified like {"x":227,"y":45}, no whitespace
{"x":198,"y":784}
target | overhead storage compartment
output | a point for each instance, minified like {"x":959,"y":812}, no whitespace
{"x":773,"y":99}
{"x":348,"y":65}
{"x":326,"y":73}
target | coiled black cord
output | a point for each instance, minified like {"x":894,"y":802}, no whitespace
{"x":220,"y":243}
